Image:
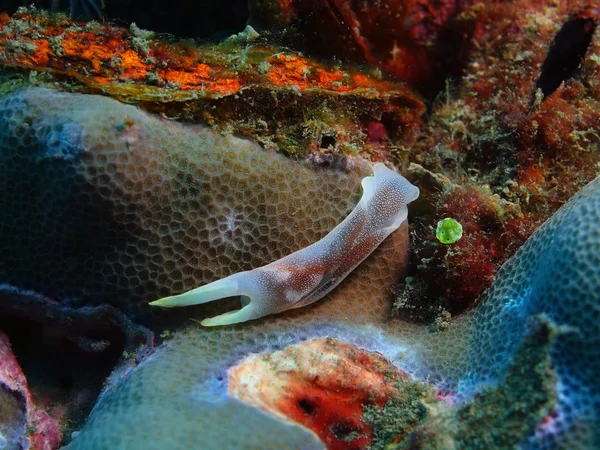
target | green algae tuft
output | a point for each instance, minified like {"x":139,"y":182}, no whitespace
{"x":448,"y":231}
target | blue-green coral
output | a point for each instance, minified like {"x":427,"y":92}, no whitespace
{"x":556,"y":274}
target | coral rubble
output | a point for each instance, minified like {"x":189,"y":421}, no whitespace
{"x":418,"y":41}
{"x":504,"y":415}
{"x":510,"y":150}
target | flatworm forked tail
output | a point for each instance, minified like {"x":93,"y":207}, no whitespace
{"x":307,"y":275}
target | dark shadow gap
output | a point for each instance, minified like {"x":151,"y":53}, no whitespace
{"x":567,"y":50}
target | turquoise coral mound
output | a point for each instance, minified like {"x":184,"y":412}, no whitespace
{"x":555,"y":274}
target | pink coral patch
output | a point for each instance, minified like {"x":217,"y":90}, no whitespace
{"x":46,"y":434}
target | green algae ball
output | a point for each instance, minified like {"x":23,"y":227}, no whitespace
{"x":448,"y":231}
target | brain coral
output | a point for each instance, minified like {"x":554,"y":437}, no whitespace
{"x":105,"y":203}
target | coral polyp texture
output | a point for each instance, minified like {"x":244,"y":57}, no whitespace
{"x":556,"y":275}
{"x":553,"y":280}
{"x":123,"y":207}
{"x":107,"y":206}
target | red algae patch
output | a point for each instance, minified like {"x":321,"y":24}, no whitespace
{"x":328,"y":386}
{"x":503,"y":148}
{"x":417,"y":41}
{"x":38,"y":427}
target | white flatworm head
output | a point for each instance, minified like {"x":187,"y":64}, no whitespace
{"x":386,"y":176}
{"x":386,"y":196}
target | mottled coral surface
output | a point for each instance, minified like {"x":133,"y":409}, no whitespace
{"x":326,"y":385}
{"x":555,"y":274}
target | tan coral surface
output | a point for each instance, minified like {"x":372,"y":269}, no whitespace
{"x":106,"y":203}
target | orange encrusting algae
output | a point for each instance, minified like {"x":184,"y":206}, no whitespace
{"x":42,"y":54}
{"x":4,"y":20}
{"x":323,"y":384}
{"x":297,"y":71}
{"x":102,"y":55}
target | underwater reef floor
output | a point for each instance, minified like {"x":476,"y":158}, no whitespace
{"x":135,"y":166}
